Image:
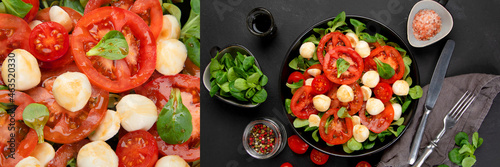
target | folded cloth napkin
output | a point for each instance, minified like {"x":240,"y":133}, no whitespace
{"x":485,"y":86}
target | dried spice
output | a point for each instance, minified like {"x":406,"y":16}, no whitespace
{"x":261,"y":139}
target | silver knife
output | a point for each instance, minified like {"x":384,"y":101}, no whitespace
{"x":432,"y":95}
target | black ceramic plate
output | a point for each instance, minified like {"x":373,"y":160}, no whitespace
{"x":373,"y":27}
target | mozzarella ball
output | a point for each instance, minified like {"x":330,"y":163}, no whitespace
{"x":356,"y":120}
{"x":57,"y":14}
{"x":321,"y":102}
{"x":108,"y":127}
{"x":314,"y":120}
{"x":29,"y":162}
{"x":367,"y":92}
{"x":43,"y":152}
{"x":360,"y":133}
{"x":314,"y":72}
{"x":400,"y":88}
{"x":370,"y":79}
{"x":171,"y":28}
{"x":353,"y":38}
{"x":309,"y":81}
{"x":136,"y":112}
{"x":72,"y":90}
{"x":96,"y":153}
{"x":24,"y":67}
{"x":345,"y":94}
{"x":34,"y":23}
{"x":171,"y":161}
{"x":171,"y":55}
{"x":307,"y":50}
{"x":397,"y":110}
{"x":374,"y":106}
{"x":363,"y":49}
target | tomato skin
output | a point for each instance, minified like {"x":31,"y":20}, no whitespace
{"x":43,"y":16}
{"x":321,"y":84}
{"x":137,"y":148}
{"x":315,"y":66}
{"x":319,"y":158}
{"x":189,"y":151}
{"x":62,"y":61}
{"x":389,"y":55}
{"x":54,"y":35}
{"x":23,"y":150}
{"x":14,"y":33}
{"x":335,"y":136}
{"x":296,"y":77}
{"x":301,"y":104}
{"x":31,"y":14}
{"x":66,"y":152}
{"x":352,"y":107}
{"x":363,"y":164}
{"x":383,"y":91}
{"x":286,"y":164}
{"x":379,"y":122}
{"x":297,"y":145}
{"x":20,"y":99}
{"x":354,"y":71}
{"x":331,"y":40}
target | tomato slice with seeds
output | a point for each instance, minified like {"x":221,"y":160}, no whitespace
{"x":149,"y":10}
{"x":354,"y":71}
{"x":330,"y":41}
{"x":14,"y":33}
{"x":49,"y":41}
{"x":335,"y":130}
{"x":380,"y":122}
{"x":67,"y":58}
{"x":43,"y":15}
{"x":389,"y":55}
{"x":321,"y":84}
{"x":114,"y":75}
{"x":353,"y":106}
{"x":301,"y":104}
{"x":189,"y":150}
{"x":383,"y":91}
{"x":137,"y":148}
{"x":66,"y":152}
{"x":319,"y":158}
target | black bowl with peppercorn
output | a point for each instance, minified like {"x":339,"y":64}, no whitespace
{"x":264,"y":138}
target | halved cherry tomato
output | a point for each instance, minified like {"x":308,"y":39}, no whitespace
{"x":189,"y":151}
{"x":31,"y":14}
{"x":353,"y":106}
{"x":337,"y":131}
{"x":137,"y":148}
{"x":379,"y":122}
{"x":315,"y":66}
{"x":296,"y":77}
{"x":65,"y":153}
{"x":114,"y":75}
{"x":354,"y":71}
{"x":389,"y":55}
{"x":14,"y":149}
{"x":301,"y":104}
{"x":297,"y":145}
{"x":331,"y":40}
{"x":286,"y":164}
{"x":62,"y":61}
{"x":321,"y":84}
{"x":383,"y":91}
{"x":43,"y":16}
{"x":363,"y":164}
{"x":319,"y":158}
{"x":149,"y":10}
{"x":49,"y":41}
{"x":14,"y":34}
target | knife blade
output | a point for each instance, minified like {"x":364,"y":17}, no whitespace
{"x":432,"y":95}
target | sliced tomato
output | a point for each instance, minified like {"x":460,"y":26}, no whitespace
{"x":297,"y":145}
{"x":114,"y":75}
{"x":67,"y":58}
{"x":301,"y":104}
{"x":363,"y":164}
{"x":319,"y":158}
{"x":14,"y":34}
{"x":20,"y":99}
{"x":137,"y":148}
{"x":49,"y":41}
{"x":65,"y":153}
{"x":389,"y":55}
{"x":31,"y":14}
{"x":17,"y":148}
{"x":379,"y":122}
{"x":353,"y":106}
{"x":337,"y":131}
{"x":43,"y":16}
{"x":189,"y":151}
{"x":321,"y":84}
{"x":383,"y":91}
{"x":354,"y":71}
{"x":295,"y":77}
{"x":315,"y":66}
{"x":331,"y":40}
{"x":150,"y":11}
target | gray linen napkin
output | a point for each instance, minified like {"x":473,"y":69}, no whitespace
{"x":485,"y":86}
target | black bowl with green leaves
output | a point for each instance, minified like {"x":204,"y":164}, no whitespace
{"x":372,"y":27}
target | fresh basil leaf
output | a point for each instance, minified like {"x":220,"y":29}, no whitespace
{"x":248,"y":62}
{"x":195,"y":6}
{"x":192,"y":26}
{"x":337,"y":22}
{"x":231,"y":75}
{"x":17,"y":7}
{"x":73,"y":4}
{"x":221,"y":77}
{"x":254,"y":78}
{"x":380,"y":39}
{"x":391,"y":129}
{"x":71,"y":162}
{"x":400,"y":129}
{"x":405,"y":105}
{"x":240,"y":84}
{"x":240,"y":57}
{"x":226,"y":60}
{"x":295,"y":85}
{"x":36,"y":116}
{"x":300,"y":123}
{"x":215,"y":66}
{"x":2,"y":8}
{"x":3,"y":87}
{"x":312,"y":39}
{"x":225,"y":87}
{"x":173,"y":10}
{"x":409,"y":80}
{"x":399,"y":122}
{"x":238,"y":95}
{"x":367,"y":37}
{"x":342,"y":66}
{"x":354,"y":145}
{"x":288,"y":102}
{"x":461,"y":136}
{"x":466,"y":148}
{"x":407,"y":61}
{"x":342,"y":113}
{"x":240,"y":71}
{"x":384,"y":70}
{"x":214,"y":88}
{"x":294,"y":64}
{"x":475,"y":139}
{"x":112,"y":46}
{"x":455,"y":157}
{"x":312,"y":61}
{"x":368,"y":145}
{"x":320,"y":31}
{"x":381,"y":136}
{"x":346,"y":148}
{"x":443,"y":165}
{"x":480,"y":142}
{"x":358,"y":26}
{"x":174,"y":122}
{"x":263,"y":80}
{"x":193,"y":49}
{"x":328,"y":121}
{"x":468,"y":162}
{"x":250,"y":93}
{"x":315,"y":135}
{"x":313,"y":128}
{"x":260,"y":96}
{"x":416,"y":92}
{"x":372,"y":136}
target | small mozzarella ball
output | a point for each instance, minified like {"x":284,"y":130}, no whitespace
{"x":96,"y":153}
{"x":362,"y":49}
{"x":370,"y":79}
{"x":314,"y":120}
{"x":171,"y":161}
{"x":24,"y":67}
{"x":309,"y":81}
{"x":314,"y":72}
{"x":34,"y":23}
{"x":360,"y":133}
{"x":171,"y":28}
{"x":345,"y":94}
{"x":321,"y":102}
{"x":72,"y":90}
{"x":367,"y":92}
{"x":136,"y":112}
{"x":353,"y":38}
{"x":307,"y":50}
{"x":397,"y":110}
{"x":29,"y":162}
{"x":57,"y":14}
{"x":171,"y":55}
{"x":374,"y":106}
{"x":108,"y":127}
{"x":400,"y":88}
{"x":43,"y":152}
{"x":356,"y":120}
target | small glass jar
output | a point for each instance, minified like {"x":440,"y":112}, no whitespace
{"x":264,"y":138}
{"x":260,"y":22}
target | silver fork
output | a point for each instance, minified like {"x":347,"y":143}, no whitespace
{"x":449,"y":121}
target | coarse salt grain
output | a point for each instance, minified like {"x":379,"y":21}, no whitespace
{"x":426,"y":24}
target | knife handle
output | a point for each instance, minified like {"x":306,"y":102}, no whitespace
{"x":418,"y":137}
{"x":427,"y":153}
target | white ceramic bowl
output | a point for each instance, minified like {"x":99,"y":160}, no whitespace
{"x":446,"y":22}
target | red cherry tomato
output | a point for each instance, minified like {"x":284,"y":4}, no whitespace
{"x":389,"y":55}
{"x":65,"y":153}
{"x":363,"y":164}
{"x":43,"y":16}
{"x":137,"y":148}
{"x":49,"y":41}
{"x":354,"y":71}
{"x":337,"y":131}
{"x":296,"y":77}
{"x":320,"y":84}
{"x":353,"y":106}
{"x":31,"y":14}
{"x":319,"y":158}
{"x":331,"y":40}
{"x":286,"y":164}
{"x":383,"y":91}
{"x":379,"y":122}
{"x":315,"y":66}
{"x":301,"y":103}
{"x":297,"y":145}
{"x":14,"y":34}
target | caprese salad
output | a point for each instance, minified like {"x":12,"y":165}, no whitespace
{"x":350,"y":87}
{"x":99,"y":83}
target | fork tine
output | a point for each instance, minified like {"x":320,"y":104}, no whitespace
{"x":467,"y":106}
{"x":454,"y":108}
{"x":462,"y":105}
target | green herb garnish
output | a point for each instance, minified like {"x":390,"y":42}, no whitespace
{"x":174,"y":122}
{"x":36,"y":116}
{"x":384,"y":70}
{"x":342,"y":66}
{"x":112,"y":46}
